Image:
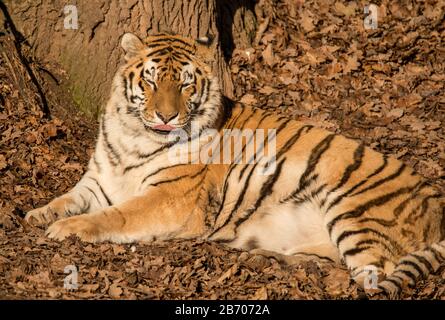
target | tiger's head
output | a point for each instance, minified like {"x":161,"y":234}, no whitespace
{"x":167,"y":83}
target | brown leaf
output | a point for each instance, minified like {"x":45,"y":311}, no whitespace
{"x":248,"y":99}
{"x":118,"y":249}
{"x":228,"y":274}
{"x":306,"y":21}
{"x":337,"y":282}
{"x":396,"y":113}
{"x":260,"y":294}
{"x":351,"y":64}
{"x":115,"y":291}
{"x":3,"y":163}
{"x":269,"y":56}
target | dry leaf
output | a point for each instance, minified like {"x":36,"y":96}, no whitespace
{"x":115,"y":291}
{"x":269,"y":56}
{"x":306,"y":21}
{"x":248,"y":99}
{"x":260,"y":294}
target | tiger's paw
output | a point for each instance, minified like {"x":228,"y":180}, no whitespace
{"x":82,"y":226}
{"x":55,"y":210}
{"x":42,"y":216}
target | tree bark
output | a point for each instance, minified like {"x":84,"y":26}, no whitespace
{"x":91,"y":54}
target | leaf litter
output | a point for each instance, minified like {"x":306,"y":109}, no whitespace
{"x":311,"y":60}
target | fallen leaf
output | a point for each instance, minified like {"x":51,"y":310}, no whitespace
{"x":115,"y":291}
{"x":269,"y":56}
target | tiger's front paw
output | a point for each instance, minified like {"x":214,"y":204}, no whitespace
{"x":55,"y":210}
{"x":42,"y":216}
{"x":82,"y":226}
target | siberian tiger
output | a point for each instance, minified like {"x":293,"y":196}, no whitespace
{"x":324,"y":196}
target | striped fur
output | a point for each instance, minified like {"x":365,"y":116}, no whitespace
{"x":327,"y":196}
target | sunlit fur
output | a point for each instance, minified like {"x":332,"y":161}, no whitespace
{"x":328,"y":197}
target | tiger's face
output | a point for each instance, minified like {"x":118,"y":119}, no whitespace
{"x":168,"y":84}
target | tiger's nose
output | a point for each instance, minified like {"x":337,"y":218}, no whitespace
{"x":166,"y":117}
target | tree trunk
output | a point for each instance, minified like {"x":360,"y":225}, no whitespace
{"x":91,"y":53}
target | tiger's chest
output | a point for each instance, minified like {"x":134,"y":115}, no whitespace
{"x":131,"y":173}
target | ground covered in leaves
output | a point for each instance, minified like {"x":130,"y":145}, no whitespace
{"x":312,"y":60}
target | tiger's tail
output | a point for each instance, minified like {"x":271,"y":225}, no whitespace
{"x":413,"y":267}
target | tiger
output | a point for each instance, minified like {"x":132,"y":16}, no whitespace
{"x":320,"y":196}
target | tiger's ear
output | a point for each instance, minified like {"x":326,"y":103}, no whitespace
{"x":207,"y":40}
{"x":131,"y":45}
{"x":205,"y":49}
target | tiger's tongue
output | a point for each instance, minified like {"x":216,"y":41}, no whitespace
{"x":164,"y":127}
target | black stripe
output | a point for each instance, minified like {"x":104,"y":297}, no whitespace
{"x":409,"y":274}
{"x":235,"y":118}
{"x":260,"y":149}
{"x":246,"y":184}
{"x":177,"y":55}
{"x":411,"y":264}
{"x":377,"y":242}
{"x":306,"y":197}
{"x":131,"y":76}
{"x":153,"y":153}
{"x":357,"y":212}
{"x":241,"y":126}
{"x":301,"y":187}
{"x":159,"y":51}
{"x":358,"y":157}
{"x":437,"y":253}
{"x":398,"y":277}
{"x":85,"y":205}
{"x":239,"y":200}
{"x":293,"y":140}
{"x":196,"y":186}
{"x":394,"y":282}
{"x":342,"y":196}
{"x":424,"y":261}
{"x":167,"y":39}
{"x":263,"y":193}
{"x":161,"y":169}
{"x":381,"y":168}
{"x":315,"y":156}
{"x":346,"y":234}
{"x":232,"y":167}
{"x":201,"y":92}
{"x":354,"y":251}
{"x":178,"y":178}
{"x":109,"y":146}
{"x":103,"y":192}
{"x":399,"y":209}
{"x":306,"y":178}
{"x":236,"y":158}
{"x":94,"y":194}
{"x":125,"y":88}
{"x":383,"y":222}
{"x":266,"y":190}
{"x":382,"y":181}
{"x":424,"y":205}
